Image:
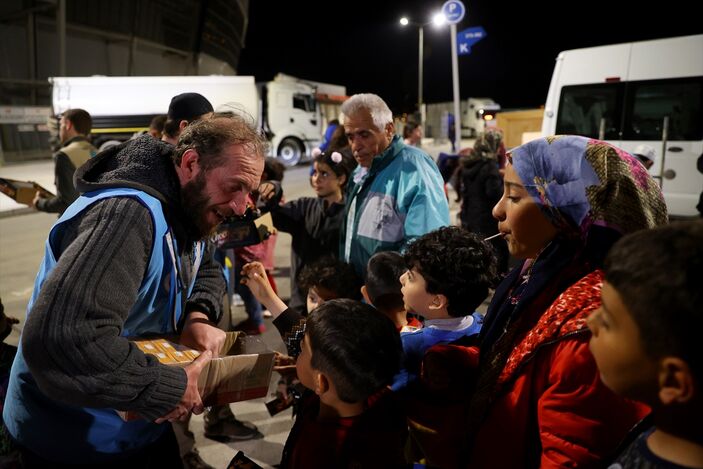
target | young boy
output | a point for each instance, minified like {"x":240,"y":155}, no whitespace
{"x":382,"y":289}
{"x":646,"y":340}
{"x":449,"y":274}
{"x":328,"y":278}
{"x":350,"y":419}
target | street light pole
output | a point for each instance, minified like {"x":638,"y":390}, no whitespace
{"x":419,"y":74}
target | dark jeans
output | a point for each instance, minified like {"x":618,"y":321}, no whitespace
{"x":161,"y":453}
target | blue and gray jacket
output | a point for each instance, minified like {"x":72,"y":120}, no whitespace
{"x":399,"y":198}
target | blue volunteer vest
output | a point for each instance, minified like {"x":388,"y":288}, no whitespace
{"x":71,"y":434}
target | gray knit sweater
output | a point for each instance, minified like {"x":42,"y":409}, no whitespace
{"x":71,"y":340}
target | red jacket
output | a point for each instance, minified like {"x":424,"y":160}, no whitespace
{"x":552,"y":410}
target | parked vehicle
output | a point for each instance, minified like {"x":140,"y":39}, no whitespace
{"x":647,"y":92}
{"x":476,"y":115}
{"x":286,"y":108}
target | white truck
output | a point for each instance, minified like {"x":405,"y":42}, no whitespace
{"x":647,"y":92}
{"x":476,"y":115}
{"x":286,"y":109}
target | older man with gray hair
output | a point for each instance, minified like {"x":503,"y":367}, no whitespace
{"x":395,"y":194}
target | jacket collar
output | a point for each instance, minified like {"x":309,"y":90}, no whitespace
{"x":382,"y":160}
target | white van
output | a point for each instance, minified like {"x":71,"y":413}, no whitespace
{"x":648,"y":92}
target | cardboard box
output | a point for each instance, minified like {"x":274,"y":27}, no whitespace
{"x":241,"y":372}
{"x":22,"y":191}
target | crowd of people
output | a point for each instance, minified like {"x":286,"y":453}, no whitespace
{"x":586,"y":356}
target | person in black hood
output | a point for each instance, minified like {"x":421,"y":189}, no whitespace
{"x":479,"y":187}
{"x":126,"y":259}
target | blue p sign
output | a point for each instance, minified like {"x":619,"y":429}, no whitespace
{"x":453,"y":11}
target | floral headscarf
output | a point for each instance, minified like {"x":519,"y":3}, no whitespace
{"x":579,"y":182}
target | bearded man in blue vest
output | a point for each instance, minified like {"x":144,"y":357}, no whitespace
{"x":127,"y":259}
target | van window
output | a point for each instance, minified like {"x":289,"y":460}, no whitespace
{"x":650,"y":101}
{"x":581,"y":108}
{"x":304,"y":102}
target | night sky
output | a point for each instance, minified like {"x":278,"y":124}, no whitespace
{"x":367,"y":50}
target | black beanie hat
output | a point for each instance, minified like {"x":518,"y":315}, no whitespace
{"x":188,"y":106}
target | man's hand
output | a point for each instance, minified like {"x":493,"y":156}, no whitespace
{"x":191,"y":401}
{"x":201,"y":334}
{"x":254,"y":276}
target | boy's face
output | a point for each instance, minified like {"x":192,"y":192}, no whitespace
{"x":306,"y":374}
{"x":617,"y":346}
{"x":318,"y":295}
{"x":415,"y":295}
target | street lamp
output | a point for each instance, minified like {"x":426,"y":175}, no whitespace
{"x":438,"y":20}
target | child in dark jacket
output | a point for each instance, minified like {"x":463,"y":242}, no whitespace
{"x":347,"y":418}
{"x":646,"y":341}
{"x":351,"y":419}
{"x":313,"y":222}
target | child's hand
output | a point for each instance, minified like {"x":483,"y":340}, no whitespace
{"x":284,"y":364}
{"x":254,"y":277}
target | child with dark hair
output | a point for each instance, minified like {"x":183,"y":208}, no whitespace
{"x":313,"y":222}
{"x":449,"y":275}
{"x":350,"y":419}
{"x":324,"y":280}
{"x":646,"y":340}
{"x":347,"y":418}
{"x":329,"y":278}
{"x":382,"y":289}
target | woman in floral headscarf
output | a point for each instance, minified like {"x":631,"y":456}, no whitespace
{"x":539,"y":401}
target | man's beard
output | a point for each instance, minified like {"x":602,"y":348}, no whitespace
{"x":195,"y":204}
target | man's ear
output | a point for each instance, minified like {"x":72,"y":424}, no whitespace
{"x":390,"y":130}
{"x":676,"y":383}
{"x":365,"y":294}
{"x":182,"y":125}
{"x":439,"y":301}
{"x":190,"y":163}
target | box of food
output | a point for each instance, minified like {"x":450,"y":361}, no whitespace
{"x":241,"y":372}
{"x":22,"y":192}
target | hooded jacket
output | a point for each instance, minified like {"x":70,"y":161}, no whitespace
{"x":73,"y":342}
{"x":480,"y":188}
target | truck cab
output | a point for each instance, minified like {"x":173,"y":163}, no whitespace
{"x":292,"y":118}
{"x":478,"y":114}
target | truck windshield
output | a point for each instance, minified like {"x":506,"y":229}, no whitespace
{"x":305,"y":102}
